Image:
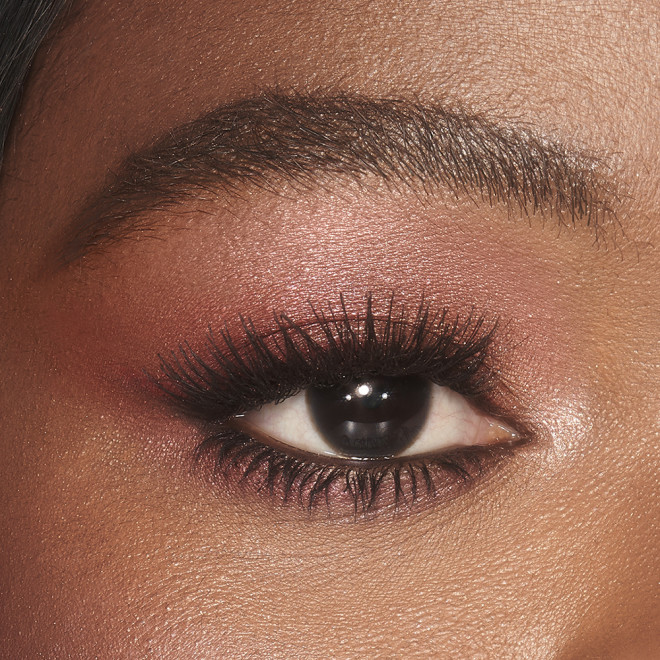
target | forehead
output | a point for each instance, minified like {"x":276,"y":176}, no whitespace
{"x":488,"y":53}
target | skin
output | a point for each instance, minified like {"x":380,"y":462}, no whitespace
{"x":112,"y":547}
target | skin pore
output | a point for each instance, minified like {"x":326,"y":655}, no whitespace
{"x":115,"y":544}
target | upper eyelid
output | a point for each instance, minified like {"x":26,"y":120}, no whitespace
{"x":434,"y":343}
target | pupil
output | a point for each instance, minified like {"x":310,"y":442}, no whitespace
{"x":371,"y":417}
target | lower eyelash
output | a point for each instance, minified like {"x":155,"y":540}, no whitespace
{"x":238,"y":459}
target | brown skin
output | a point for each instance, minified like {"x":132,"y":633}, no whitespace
{"x":112,"y":548}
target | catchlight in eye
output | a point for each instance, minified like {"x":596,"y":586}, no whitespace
{"x":379,"y":417}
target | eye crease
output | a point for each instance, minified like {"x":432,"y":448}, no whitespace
{"x":360,"y":411}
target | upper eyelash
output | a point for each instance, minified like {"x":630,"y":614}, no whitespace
{"x":233,"y":377}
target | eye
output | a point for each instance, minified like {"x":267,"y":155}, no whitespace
{"x":375,"y":418}
{"x":360,"y":412}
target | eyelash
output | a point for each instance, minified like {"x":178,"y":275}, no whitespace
{"x":235,"y":377}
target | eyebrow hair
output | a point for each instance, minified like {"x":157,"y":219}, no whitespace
{"x":301,"y":138}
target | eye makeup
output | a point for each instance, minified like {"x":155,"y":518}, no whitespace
{"x":257,"y":308}
{"x":238,"y":373}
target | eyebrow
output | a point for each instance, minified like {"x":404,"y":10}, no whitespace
{"x":271,"y":138}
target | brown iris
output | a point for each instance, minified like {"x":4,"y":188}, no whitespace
{"x":371,"y":417}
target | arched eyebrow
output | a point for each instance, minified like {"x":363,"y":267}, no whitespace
{"x":306,"y":138}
